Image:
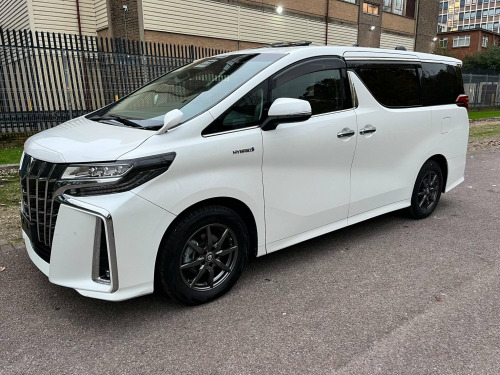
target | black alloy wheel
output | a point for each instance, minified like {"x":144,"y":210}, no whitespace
{"x":202,"y":255}
{"x":427,"y":190}
{"x":209,"y":257}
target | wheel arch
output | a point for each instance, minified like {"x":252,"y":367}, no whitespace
{"x":443,"y":164}
{"x":232,"y":203}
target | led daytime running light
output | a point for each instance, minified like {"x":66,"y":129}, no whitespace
{"x":96,"y":171}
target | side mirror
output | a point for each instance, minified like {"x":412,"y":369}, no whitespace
{"x":287,"y":110}
{"x":171,"y":119}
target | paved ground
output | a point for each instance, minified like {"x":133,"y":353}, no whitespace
{"x":388,"y":296}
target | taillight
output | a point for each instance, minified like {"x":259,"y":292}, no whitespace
{"x":463,"y":101}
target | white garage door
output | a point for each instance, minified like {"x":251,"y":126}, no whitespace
{"x":391,"y":41}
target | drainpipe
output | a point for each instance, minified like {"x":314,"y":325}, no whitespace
{"x":84,"y":66}
{"x":326,"y":21}
{"x":78,"y":18}
{"x":417,"y":15}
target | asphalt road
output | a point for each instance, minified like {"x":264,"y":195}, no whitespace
{"x":388,"y":296}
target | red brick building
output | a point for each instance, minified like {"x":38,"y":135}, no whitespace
{"x":460,"y":44}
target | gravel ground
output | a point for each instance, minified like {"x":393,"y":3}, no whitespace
{"x":483,"y":143}
{"x":10,"y":224}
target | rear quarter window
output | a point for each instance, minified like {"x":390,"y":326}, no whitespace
{"x":393,"y":85}
{"x":441,"y":83}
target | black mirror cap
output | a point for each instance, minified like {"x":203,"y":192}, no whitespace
{"x":272,"y":122}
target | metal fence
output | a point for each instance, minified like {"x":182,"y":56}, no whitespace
{"x":483,"y":89}
{"x":48,"y":78}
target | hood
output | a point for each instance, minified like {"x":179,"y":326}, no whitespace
{"x":83,"y":140}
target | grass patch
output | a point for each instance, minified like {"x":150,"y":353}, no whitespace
{"x":484,"y":114}
{"x":485,"y":131}
{"x":9,"y":191}
{"x":10,"y":155}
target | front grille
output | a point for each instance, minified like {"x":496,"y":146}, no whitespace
{"x":39,"y":208}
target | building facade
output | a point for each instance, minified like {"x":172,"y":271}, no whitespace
{"x":235,"y":24}
{"x":458,"y":15}
{"x":463,"y":43}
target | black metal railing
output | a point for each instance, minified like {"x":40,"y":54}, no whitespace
{"x":48,"y":78}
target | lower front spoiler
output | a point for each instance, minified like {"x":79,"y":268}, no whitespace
{"x":76,"y":245}
{"x":120,"y":295}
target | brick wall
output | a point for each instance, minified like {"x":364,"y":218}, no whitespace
{"x":118,"y":27}
{"x":397,"y":23}
{"x":427,"y":12}
{"x":366,"y":36}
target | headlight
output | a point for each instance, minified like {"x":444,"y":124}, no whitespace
{"x":97,"y":172}
{"x":112,"y":177}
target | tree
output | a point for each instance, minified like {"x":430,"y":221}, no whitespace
{"x":490,"y":59}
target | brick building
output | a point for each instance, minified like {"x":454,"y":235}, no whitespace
{"x":235,"y":24}
{"x":460,"y":44}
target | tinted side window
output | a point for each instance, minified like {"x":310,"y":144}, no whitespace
{"x":392,"y":85}
{"x":441,"y":83}
{"x":246,"y":112}
{"x":322,"y":89}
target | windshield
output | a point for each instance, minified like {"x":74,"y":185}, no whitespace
{"x":193,"y":89}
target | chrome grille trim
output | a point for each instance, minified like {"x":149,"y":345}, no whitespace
{"x":46,"y":197}
{"x":30,"y":167}
{"x":39,"y":184}
{"x":40,"y":169}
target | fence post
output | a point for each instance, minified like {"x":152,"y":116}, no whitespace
{"x":66,"y":81}
{"x":191,"y":53}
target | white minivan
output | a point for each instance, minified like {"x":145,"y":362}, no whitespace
{"x":237,"y":155}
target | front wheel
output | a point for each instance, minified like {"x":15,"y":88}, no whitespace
{"x":204,"y":254}
{"x":427,"y":190}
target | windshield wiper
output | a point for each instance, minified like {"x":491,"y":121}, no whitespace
{"x":124,"y":121}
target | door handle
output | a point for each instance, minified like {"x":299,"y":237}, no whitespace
{"x":345,"y":133}
{"x":368,"y":129}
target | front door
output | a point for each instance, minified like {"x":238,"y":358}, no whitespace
{"x":306,"y":165}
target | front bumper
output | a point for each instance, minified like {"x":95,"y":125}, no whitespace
{"x":133,"y":227}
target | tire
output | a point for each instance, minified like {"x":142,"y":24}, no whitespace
{"x":194,"y":266}
{"x":427,"y":191}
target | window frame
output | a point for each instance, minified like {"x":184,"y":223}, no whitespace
{"x":286,"y":74}
{"x":457,"y":39}
{"x":353,"y":65}
{"x":371,"y":6}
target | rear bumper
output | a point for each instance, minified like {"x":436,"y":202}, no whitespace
{"x":456,"y":171}
{"x":134,"y":228}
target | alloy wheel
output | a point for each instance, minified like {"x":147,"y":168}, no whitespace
{"x":208,"y":257}
{"x":428,"y":191}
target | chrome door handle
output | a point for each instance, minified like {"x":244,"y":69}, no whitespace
{"x":345,"y":133}
{"x":368,"y":129}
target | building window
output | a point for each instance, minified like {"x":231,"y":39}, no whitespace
{"x":350,"y":1}
{"x":404,"y":8}
{"x":443,"y":43}
{"x":485,"y":42}
{"x":370,"y":9}
{"x":461,"y":41}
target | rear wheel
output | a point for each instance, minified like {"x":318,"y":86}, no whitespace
{"x":203,"y":255}
{"x":427,"y":190}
